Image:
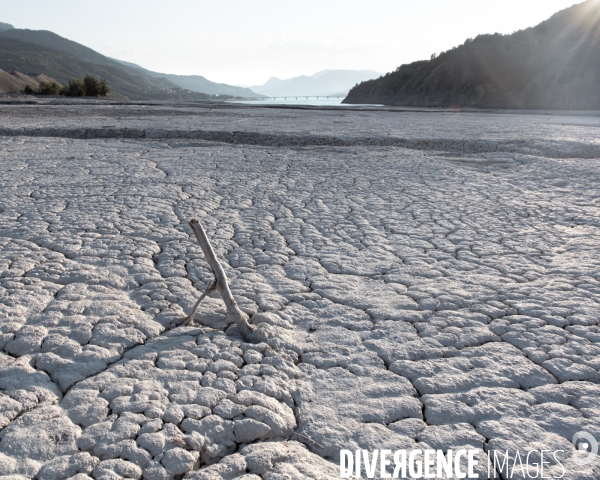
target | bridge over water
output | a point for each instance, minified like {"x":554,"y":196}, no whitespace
{"x":300,"y":97}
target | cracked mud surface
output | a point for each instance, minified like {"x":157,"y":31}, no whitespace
{"x":430,"y":281}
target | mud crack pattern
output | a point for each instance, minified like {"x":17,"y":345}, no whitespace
{"x":428,"y":294}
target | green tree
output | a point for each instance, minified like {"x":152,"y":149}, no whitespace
{"x":49,"y":88}
{"x":75,"y":88}
{"x":30,"y":89}
{"x":95,"y":87}
{"x":103,"y":89}
{"x":91,"y":86}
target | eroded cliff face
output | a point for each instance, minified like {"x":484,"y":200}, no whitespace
{"x":555,"y":65}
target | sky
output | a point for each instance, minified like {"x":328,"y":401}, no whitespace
{"x":245,"y":42}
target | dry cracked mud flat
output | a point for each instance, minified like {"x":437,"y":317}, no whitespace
{"x":429,"y":280}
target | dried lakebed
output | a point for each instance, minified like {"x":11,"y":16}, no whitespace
{"x":430,"y":280}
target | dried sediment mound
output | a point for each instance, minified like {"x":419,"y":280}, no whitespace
{"x":411,"y":298}
{"x":17,"y":81}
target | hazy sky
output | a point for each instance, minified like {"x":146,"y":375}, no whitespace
{"x":247,"y":42}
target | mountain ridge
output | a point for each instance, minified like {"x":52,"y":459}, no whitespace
{"x":196,"y":83}
{"x":44,"y":52}
{"x":31,"y":59}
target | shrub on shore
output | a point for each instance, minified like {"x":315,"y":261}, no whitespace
{"x":90,"y":86}
{"x":49,"y":88}
{"x":75,"y":88}
{"x":94,"y":87}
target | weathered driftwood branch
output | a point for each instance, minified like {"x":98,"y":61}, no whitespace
{"x":220,"y":283}
{"x":211,"y":288}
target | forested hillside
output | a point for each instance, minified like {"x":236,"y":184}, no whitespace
{"x":555,"y":65}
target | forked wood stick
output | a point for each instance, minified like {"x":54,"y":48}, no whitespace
{"x":211,"y":288}
{"x":221,"y":282}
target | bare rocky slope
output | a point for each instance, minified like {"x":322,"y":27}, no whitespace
{"x":555,"y":65}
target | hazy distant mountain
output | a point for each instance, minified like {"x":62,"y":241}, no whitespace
{"x":555,"y":65}
{"x":196,"y":83}
{"x":5,"y":26}
{"x":43,"y":52}
{"x":326,"y":82}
